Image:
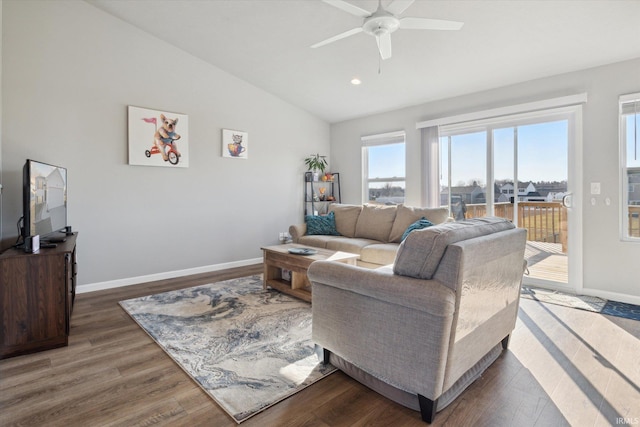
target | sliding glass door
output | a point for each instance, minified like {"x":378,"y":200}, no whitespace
{"x":518,"y":168}
{"x":463,"y":173}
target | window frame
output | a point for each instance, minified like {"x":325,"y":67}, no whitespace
{"x":377,"y":140}
{"x":623,"y":105}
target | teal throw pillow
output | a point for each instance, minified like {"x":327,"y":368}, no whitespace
{"x":321,"y":225}
{"x":418,"y":225}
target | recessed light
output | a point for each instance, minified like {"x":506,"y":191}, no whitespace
{"x":355,"y":81}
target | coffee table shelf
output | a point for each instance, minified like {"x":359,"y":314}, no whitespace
{"x":276,"y":258}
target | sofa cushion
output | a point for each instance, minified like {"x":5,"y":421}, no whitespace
{"x":408,"y":215}
{"x":351,"y":245}
{"x":346,"y":218}
{"x":418,"y":225}
{"x":321,"y":225}
{"x":420,"y":253}
{"x":375,"y":222}
{"x":316,"y":241}
{"x":381,"y":254}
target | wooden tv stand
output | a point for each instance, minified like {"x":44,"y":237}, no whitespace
{"x":37,"y":292}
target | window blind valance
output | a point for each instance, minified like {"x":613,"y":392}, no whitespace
{"x":383,"y":138}
{"x":630,"y":107}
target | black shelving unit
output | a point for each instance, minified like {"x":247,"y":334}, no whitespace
{"x":316,"y":203}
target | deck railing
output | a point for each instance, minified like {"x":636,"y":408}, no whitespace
{"x":544,"y":221}
{"x":634,"y":221}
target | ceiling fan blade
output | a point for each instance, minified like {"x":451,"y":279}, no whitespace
{"x":338,"y":37}
{"x":384,"y":45}
{"x":429,"y":24}
{"x":398,"y":6}
{"x":349,"y":8}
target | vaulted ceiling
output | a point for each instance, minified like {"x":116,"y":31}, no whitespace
{"x":267,"y":43}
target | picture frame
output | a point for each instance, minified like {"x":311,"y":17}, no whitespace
{"x":235,"y":144}
{"x":158,"y":138}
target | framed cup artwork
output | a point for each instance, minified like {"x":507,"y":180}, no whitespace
{"x":235,"y":144}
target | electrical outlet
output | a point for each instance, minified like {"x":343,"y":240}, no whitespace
{"x":595,"y":188}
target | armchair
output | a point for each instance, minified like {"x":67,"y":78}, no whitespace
{"x":422,"y":330}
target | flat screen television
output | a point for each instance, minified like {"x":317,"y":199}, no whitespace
{"x":44,"y":199}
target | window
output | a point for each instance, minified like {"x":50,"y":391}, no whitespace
{"x":630,"y":166}
{"x":383,"y":168}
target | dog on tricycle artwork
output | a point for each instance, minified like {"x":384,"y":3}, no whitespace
{"x":164,"y":139}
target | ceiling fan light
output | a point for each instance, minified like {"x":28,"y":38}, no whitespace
{"x":380,"y":31}
{"x":376,"y":25}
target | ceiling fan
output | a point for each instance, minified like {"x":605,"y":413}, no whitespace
{"x":385,"y":21}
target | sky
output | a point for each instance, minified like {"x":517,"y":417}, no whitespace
{"x":386,"y":161}
{"x":542,"y":154}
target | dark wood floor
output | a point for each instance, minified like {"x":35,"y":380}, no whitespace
{"x":563,"y":367}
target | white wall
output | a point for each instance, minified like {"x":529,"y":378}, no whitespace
{"x":68,"y":73}
{"x":611,"y":267}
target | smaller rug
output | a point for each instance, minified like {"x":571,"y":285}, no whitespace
{"x":246,"y":347}
{"x":621,"y":309}
{"x":583,"y":302}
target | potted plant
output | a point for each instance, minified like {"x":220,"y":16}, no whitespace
{"x":316,"y":164}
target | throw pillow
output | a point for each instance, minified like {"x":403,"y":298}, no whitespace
{"x":418,"y":225}
{"x":407,"y":215}
{"x":321,"y":225}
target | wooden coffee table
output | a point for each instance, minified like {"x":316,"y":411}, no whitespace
{"x":277,"y":258}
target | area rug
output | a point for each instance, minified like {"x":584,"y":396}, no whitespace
{"x":583,"y":302}
{"x":246,"y":347}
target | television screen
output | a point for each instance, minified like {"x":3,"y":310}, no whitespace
{"x":44,"y":198}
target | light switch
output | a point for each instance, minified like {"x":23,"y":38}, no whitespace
{"x":595,"y":188}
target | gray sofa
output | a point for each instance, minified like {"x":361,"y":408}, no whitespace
{"x":372,"y":231}
{"x":421,"y":331}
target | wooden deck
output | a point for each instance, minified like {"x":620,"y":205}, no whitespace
{"x":546,"y":225}
{"x":547,"y":261}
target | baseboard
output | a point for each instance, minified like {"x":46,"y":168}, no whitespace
{"x":536,"y":283}
{"x":100,"y":286}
